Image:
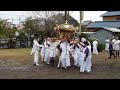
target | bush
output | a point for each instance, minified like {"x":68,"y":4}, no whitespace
{"x":101,"y":47}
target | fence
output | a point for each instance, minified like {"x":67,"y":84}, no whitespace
{"x":18,"y":42}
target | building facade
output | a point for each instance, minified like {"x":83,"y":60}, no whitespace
{"x":106,"y":28}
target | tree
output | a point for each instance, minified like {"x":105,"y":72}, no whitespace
{"x":3,"y":27}
{"x":10,"y":33}
{"x":51,"y":18}
{"x":28,"y":28}
{"x":34,"y":27}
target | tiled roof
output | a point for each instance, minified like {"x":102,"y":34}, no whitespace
{"x":112,"y":29}
{"x":111,"y":13}
{"x":100,"y":24}
{"x":86,"y":22}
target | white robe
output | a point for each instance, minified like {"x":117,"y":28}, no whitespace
{"x":47,"y":52}
{"x":65,"y":55}
{"x":42,"y":52}
{"x":113,"y":42}
{"x":83,"y":39}
{"x":35,"y":50}
{"x":72,"y":51}
{"x":53,"y":50}
{"x":90,"y":56}
{"x":117,"y":45}
{"x":81,"y":55}
{"x":56,"y":43}
{"x":86,"y":65}
{"x":95,"y":51}
{"x":107,"y":44}
{"x":77,"y":56}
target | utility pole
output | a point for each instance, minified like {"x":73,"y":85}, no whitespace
{"x":68,"y":12}
{"x":81,"y":18}
{"x":12,"y":20}
{"x":80,"y":24}
{"x":65,"y":15}
{"x":19,"y":20}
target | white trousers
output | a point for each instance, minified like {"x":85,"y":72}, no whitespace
{"x":47,"y":56}
{"x":42,"y":53}
{"x":36,"y":57}
{"x":77,"y":59}
{"x":85,"y":65}
{"x":60,"y":61}
{"x":63,"y":62}
{"x":95,"y":51}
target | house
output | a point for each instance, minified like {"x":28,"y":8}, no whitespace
{"x":85,"y":23}
{"x":111,"y":15}
{"x":107,"y":28}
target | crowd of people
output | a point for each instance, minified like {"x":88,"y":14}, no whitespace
{"x":112,"y":46}
{"x":79,"y":50}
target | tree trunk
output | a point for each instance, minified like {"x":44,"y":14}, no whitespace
{"x":20,"y":41}
{"x":27,"y":41}
{"x":65,"y":15}
{"x":30,"y":40}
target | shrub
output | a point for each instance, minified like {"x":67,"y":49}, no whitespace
{"x":101,"y":47}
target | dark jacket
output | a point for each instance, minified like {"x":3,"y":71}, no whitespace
{"x":110,"y":46}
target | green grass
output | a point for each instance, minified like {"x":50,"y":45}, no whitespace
{"x":20,"y":55}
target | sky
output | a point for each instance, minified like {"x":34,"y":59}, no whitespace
{"x":16,"y":16}
{"x":89,"y":15}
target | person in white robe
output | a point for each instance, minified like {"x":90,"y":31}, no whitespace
{"x":113,"y":42}
{"x":83,"y":39}
{"x":60,"y":51}
{"x":95,"y":44}
{"x":42,"y":51}
{"x":89,"y":47}
{"x":35,"y":51}
{"x":47,"y":50}
{"x":53,"y":50}
{"x":107,"y":44}
{"x":72,"y":51}
{"x":86,"y":63}
{"x":117,"y":46}
{"x":81,"y":53}
{"x":76,"y":53}
{"x":65,"y":54}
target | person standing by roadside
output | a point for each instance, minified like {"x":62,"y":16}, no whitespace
{"x":107,"y":44}
{"x":111,"y":51}
{"x":117,"y":46}
{"x":95,"y":44}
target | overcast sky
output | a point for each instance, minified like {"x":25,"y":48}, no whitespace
{"x":14,"y":15}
